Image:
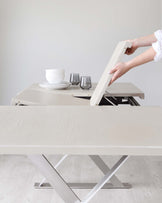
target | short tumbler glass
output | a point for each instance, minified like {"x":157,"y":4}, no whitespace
{"x":74,"y":78}
{"x":85,"y":82}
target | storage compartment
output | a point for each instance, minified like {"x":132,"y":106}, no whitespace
{"x":115,"y":101}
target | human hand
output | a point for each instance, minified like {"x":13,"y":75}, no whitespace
{"x":133,"y":48}
{"x":119,"y":70}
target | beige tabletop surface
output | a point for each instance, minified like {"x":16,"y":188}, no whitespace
{"x":35,"y":95}
{"x":81,"y":130}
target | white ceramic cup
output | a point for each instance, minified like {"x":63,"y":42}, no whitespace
{"x":55,"y":76}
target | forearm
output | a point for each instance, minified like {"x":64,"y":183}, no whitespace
{"x":144,"y":41}
{"x":145,"y":57}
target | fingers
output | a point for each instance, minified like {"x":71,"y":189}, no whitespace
{"x":115,"y":77}
{"x":110,"y":83}
{"x":114,"y":69}
{"x":111,"y":72}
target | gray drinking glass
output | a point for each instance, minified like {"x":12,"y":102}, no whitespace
{"x":74,"y":78}
{"x":85,"y":82}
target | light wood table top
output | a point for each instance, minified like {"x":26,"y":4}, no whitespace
{"x":35,"y":95}
{"x":86,"y":130}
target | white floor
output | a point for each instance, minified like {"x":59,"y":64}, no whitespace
{"x":17,"y":176}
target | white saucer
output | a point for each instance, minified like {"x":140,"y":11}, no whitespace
{"x":57,"y":86}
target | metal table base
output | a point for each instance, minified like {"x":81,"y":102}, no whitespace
{"x":65,"y":190}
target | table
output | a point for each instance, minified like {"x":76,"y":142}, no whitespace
{"x":36,"y":131}
{"x":103,"y":136}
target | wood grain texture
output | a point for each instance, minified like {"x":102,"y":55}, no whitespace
{"x":35,"y":95}
{"x":106,"y":77}
{"x":83,"y":130}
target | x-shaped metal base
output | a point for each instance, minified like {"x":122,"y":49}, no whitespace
{"x":65,"y":189}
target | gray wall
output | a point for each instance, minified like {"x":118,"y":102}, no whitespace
{"x":78,"y":35}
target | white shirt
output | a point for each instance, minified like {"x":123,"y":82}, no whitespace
{"x":158,"y":45}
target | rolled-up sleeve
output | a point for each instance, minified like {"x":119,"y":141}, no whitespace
{"x":157,"y":46}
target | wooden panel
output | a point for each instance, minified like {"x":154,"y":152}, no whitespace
{"x":106,"y":77}
{"x":81,"y":130}
{"x":124,"y":90}
{"x":35,"y":98}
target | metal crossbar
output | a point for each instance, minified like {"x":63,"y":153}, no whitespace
{"x":42,"y":183}
{"x":104,"y":180}
{"x":115,"y":183}
{"x":105,"y":169}
{"x":65,"y":189}
{"x":55,"y":179}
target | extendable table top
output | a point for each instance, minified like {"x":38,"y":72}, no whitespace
{"x":35,"y":95}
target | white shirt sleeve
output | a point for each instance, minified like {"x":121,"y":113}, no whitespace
{"x":157,"y":46}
